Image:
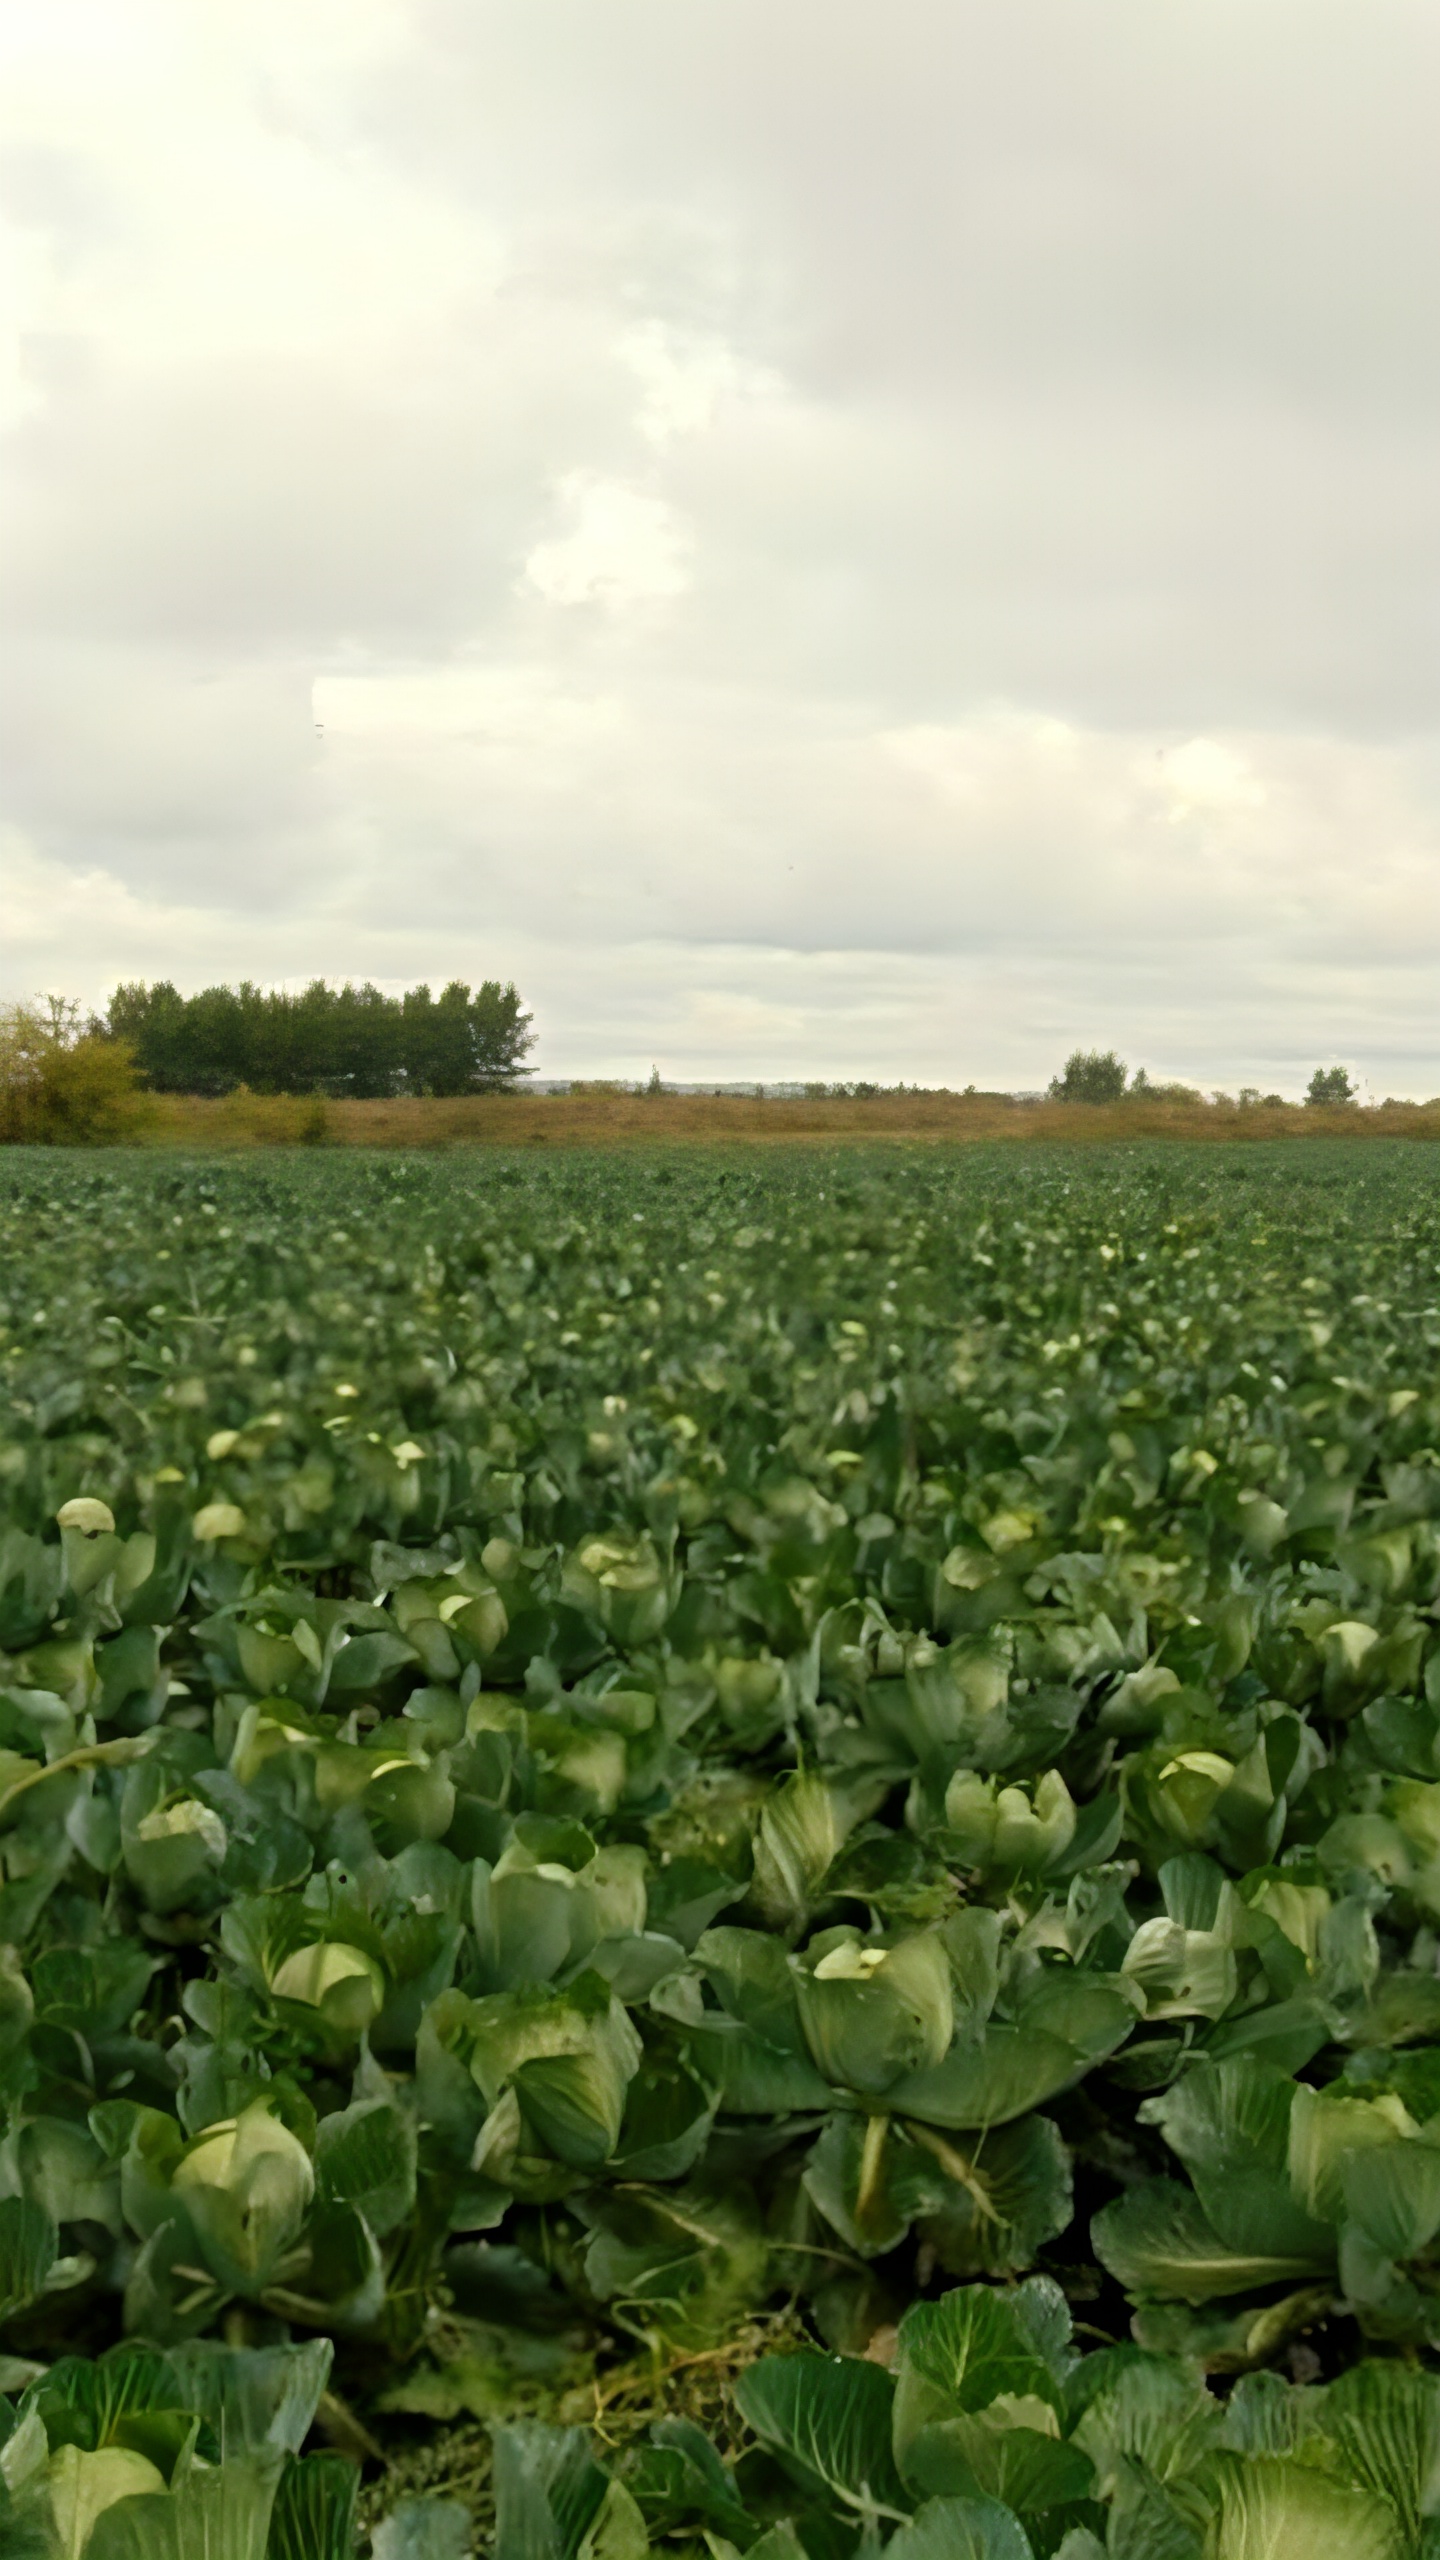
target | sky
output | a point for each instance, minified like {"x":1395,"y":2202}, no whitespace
{"x":823,"y":539}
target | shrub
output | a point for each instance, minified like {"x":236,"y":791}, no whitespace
{"x":61,"y":1085}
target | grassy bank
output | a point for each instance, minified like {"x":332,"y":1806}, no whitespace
{"x":638,"y":1119}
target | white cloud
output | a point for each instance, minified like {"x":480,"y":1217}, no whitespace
{"x":517,"y":705}
{"x":686,"y":380}
{"x":1204,"y":776}
{"x":621,"y":546}
{"x":180,"y":193}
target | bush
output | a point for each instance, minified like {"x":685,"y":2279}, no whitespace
{"x":1143,"y":1090}
{"x":61,"y":1085}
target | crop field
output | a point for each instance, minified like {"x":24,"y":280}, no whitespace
{"x":721,"y":1853}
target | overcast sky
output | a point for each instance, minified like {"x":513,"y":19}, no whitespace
{"x":822,"y":537}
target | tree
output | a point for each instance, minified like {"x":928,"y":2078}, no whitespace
{"x":1091,"y":1075}
{"x":1330,"y":1089}
{"x":504,"y":1035}
{"x":152,"y":1021}
{"x":367,"y":1038}
{"x":441,"y":1049}
{"x":336,"y":1040}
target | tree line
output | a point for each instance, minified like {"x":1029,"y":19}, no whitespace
{"x":342,"y":1041}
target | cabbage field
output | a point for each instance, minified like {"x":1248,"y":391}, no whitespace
{"x":727,"y":1854}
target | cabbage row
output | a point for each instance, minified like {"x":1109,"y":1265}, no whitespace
{"x":815,"y":1779}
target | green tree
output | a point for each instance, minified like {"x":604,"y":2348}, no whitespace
{"x":220,"y":1054}
{"x":1330,"y":1089}
{"x":459,"y":1043}
{"x":503,"y":1032}
{"x":335,"y":1040}
{"x":438,"y":1044}
{"x":1091,"y":1075}
{"x":454,"y":1041}
{"x":367,"y":1040}
{"x":152,"y":1021}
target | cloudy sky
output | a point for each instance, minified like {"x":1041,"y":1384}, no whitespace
{"x":823,"y":537}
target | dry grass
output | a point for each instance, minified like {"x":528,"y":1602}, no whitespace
{"x":635,"y":1119}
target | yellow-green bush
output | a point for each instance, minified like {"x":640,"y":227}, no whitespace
{"x":60,"y":1086}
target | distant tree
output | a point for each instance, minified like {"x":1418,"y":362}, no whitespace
{"x":151,"y":1020}
{"x":1330,"y":1089}
{"x":368,"y":1042}
{"x":335,"y":1040}
{"x":459,"y":1043}
{"x":504,"y":1034}
{"x":435,"y":1044}
{"x":1091,"y":1075}
{"x":301,"y":1045}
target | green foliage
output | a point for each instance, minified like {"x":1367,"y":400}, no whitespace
{"x":340,"y":1040}
{"x":1330,"y":1088}
{"x":1119,"y":2450}
{"x":184,"y":2458}
{"x":314,"y":2513}
{"x":595,"y":1759}
{"x":1091,"y":1075}
{"x":828,"y":2417}
{"x":61,"y":1085}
